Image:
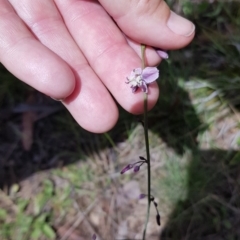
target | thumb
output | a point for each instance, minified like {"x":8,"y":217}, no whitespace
{"x":150,"y":22}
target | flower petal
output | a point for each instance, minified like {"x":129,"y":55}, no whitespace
{"x":134,"y":88}
{"x":131,"y":76}
{"x":137,"y":71}
{"x":150,"y":74}
{"x":144,"y":87}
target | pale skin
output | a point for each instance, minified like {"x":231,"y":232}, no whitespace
{"x":73,"y":50}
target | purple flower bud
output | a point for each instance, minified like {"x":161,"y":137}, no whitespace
{"x":162,"y":54}
{"x":136,"y":169}
{"x":158,"y":220}
{"x":94,"y":236}
{"x":129,"y":166}
{"x":142,"y":195}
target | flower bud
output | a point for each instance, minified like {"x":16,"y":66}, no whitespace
{"x":136,"y":169}
{"x":142,"y":158}
{"x":158,"y":220}
{"x":142,"y":195}
{"x":129,"y":166}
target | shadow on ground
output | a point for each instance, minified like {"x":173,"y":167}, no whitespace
{"x":212,"y":207}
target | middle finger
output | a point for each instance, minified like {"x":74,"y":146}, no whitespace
{"x":106,"y":50}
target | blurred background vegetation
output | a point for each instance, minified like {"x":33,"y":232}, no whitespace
{"x":58,"y":181}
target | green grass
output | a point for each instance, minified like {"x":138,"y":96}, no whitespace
{"x":68,"y":185}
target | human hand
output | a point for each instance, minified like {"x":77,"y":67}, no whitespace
{"x":73,"y":50}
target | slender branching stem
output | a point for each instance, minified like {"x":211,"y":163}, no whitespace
{"x":143,"y":47}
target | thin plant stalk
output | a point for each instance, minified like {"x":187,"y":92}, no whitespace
{"x":143,"y":48}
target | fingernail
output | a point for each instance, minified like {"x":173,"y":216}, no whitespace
{"x":180,"y":25}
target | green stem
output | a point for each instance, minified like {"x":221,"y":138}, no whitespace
{"x":143,"y":47}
